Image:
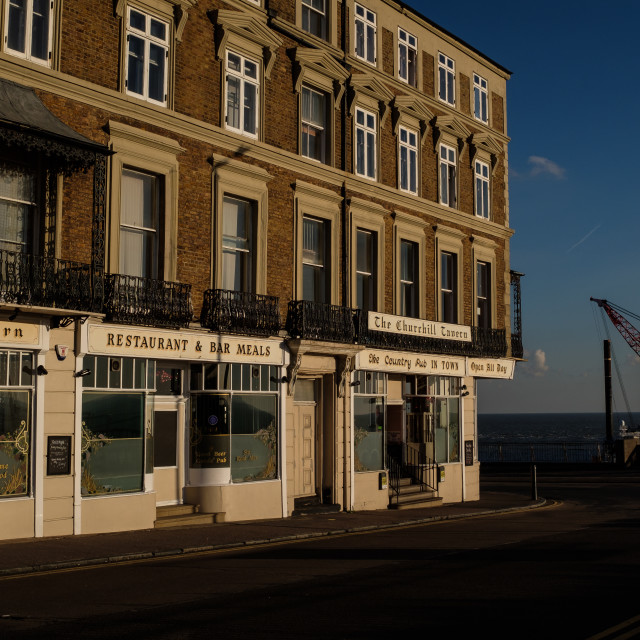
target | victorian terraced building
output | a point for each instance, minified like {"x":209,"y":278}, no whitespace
{"x":252,"y":254}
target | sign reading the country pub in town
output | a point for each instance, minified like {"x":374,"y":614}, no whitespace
{"x":154,"y":343}
{"x":19,"y":333}
{"x":403,"y":362}
{"x":419,"y":328}
{"x":490,"y":368}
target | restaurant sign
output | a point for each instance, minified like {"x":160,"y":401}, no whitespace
{"x":416,"y":327}
{"x":160,"y":344}
{"x":490,"y":368}
{"x":403,"y":362}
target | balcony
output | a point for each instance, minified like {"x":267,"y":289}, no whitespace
{"x":490,"y":343}
{"x":144,"y":301}
{"x":240,"y":312}
{"x":320,"y":321}
{"x":40,"y":281}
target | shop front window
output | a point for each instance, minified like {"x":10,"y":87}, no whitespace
{"x":369,"y":419}
{"x":432,"y":405}
{"x":234,"y":420}
{"x":114,"y":443}
{"x":16,"y":380}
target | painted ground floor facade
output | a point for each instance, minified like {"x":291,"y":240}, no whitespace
{"x":102,"y":424}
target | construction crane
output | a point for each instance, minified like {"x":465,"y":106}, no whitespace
{"x":626,"y":329}
{"x":632,"y":338}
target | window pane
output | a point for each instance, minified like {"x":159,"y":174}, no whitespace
{"x":250,"y":108}
{"x":135,"y":69}
{"x":40,"y":30}
{"x":17,"y":25}
{"x":368,"y":421}
{"x":210,"y":431}
{"x":15,"y":442}
{"x":156,"y":72}
{"x":112,"y":459}
{"x":233,"y":102}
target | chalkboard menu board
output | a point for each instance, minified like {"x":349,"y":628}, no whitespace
{"x":468,"y":453}
{"x":58,"y":455}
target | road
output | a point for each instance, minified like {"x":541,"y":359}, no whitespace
{"x":565,"y":571}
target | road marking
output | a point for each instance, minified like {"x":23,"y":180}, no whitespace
{"x":612,"y":632}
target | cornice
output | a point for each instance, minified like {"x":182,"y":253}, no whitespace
{"x":323,"y":63}
{"x":119,"y":104}
{"x":144,"y":138}
{"x":359,"y":204}
{"x":222,"y":164}
{"x":303,"y":188}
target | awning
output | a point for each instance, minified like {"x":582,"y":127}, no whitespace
{"x":27,"y":124}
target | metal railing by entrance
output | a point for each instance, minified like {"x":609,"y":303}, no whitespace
{"x":320,"y":321}
{"x":47,"y":282}
{"x":240,"y":312}
{"x":405,"y":461}
{"x":149,"y":302}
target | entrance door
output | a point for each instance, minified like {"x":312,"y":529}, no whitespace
{"x":305,"y":458}
{"x":168,"y":452}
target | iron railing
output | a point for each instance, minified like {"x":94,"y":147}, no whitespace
{"x":553,"y":452}
{"x":405,"y":461}
{"x":484,"y":342}
{"x":517,"y":350}
{"x":240,"y":312}
{"x":145,"y":301}
{"x":320,"y":321}
{"x":46,"y":282}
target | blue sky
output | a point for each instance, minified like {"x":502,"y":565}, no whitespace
{"x":573,"y":117}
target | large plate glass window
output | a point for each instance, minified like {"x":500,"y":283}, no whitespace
{"x":115,"y":443}
{"x":314,"y":124}
{"x":234,"y":419}
{"x":365,"y":34}
{"x":28,"y":29}
{"x":365,"y":143}
{"x":16,"y":393}
{"x":314,"y":17}
{"x":147,"y":56}
{"x":242,"y":86}
{"x":480,"y":109}
{"x":432,"y":407}
{"x":482,"y":189}
{"x":407,"y":57}
{"x":448,"y":173}
{"x":408,"y":143}
{"x":446,"y":79}
{"x":369,"y":418}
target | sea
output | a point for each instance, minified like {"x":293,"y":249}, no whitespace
{"x":548,"y":427}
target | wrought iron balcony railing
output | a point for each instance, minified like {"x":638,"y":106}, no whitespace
{"x":485,"y":342}
{"x":47,"y":282}
{"x":145,"y":301}
{"x":240,"y":312}
{"x":517,"y":349}
{"x":320,"y":321}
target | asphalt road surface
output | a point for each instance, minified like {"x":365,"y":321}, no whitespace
{"x":569,"y":570}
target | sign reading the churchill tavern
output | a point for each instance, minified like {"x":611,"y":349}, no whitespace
{"x":416,"y":327}
{"x":151,"y":343}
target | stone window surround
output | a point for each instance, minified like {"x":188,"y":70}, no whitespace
{"x":449,"y":240}
{"x":317,"y":202}
{"x":369,"y":217}
{"x":246,"y":182}
{"x":146,"y":152}
{"x":411,"y":228}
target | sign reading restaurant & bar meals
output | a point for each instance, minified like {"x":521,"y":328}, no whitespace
{"x":416,"y":327}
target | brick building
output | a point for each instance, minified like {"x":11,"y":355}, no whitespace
{"x":254,"y":254}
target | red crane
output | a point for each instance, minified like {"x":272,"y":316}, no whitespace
{"x":626,"y":329}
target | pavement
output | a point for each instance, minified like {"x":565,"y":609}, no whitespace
{"x":45,"y":554}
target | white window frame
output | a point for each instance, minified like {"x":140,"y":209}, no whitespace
{"x":368,"y":131}
{"x":308,"y":8}
{"x":372,"y":274}
{"x":29,"y":211}
{"x":246,"y":253}
{"x":365,"y":22}
{"x":480,"y":99}
{"x":28,"y":34}
{"x":446,"y":79}
{"x":244,"y":79}
{"x":482,"y":189}
{"x":406,"y":148}
{"x":408,"y":228}
{"x":323,"y":129}
{"x":448,"y":173}
{"x":149,"y":40}
{"x":407,"y":42}
{"x":452,"y":291}
{"x":488,"y":298}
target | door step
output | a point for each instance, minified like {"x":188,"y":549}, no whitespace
{"x":184,"y":515}
{"x":411,"y":496}
{"x":309,"y":505}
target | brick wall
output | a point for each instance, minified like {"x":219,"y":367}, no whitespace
{"x":465,"y":94}
{"x":497,"y":112}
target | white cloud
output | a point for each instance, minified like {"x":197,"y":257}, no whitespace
{"x":539,"y":362}
{"x":542,"y":165}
